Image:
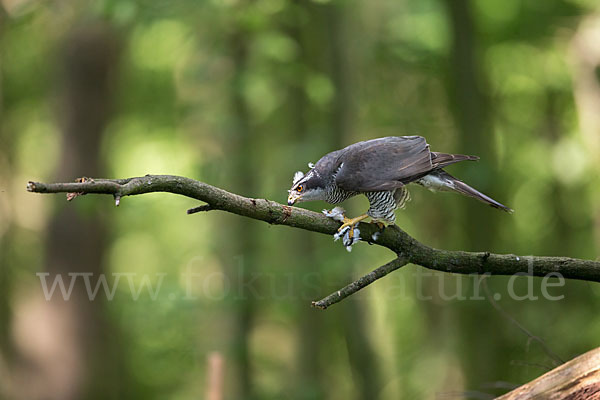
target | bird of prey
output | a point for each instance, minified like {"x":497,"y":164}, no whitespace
{"x":380,"y":169}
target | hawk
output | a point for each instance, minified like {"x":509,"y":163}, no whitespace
{"x":381,"y":169}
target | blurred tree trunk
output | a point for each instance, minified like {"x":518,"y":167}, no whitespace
{"x":482,"y":363}
{"x":73,"y":353}
{"x":585,"y":61}
{"x":552,"y":129}
{"x":362,"y":356}
{"x":470,"y":105}
{"x":6,"y":150}
{"x":309,"y":385}
{"x":241,"y":256}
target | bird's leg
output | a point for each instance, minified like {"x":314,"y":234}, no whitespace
{"x":350,"y":222}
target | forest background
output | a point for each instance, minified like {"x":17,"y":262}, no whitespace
{"x":241,"y":94}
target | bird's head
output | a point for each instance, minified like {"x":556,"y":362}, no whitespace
{"x":307,"y":187}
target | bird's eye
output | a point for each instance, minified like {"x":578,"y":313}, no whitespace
{"x":299,"y":188}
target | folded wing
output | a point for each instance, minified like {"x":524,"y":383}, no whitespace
{"x":383,"y":164}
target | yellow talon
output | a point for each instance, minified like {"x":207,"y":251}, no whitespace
{"x":351,"y":222}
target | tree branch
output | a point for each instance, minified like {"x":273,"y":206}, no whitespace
{"x":575,"y":379}
{"x":360,"y":283}
{"x":408,"y":249}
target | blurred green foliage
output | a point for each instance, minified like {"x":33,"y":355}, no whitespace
{"x":308,"y":77}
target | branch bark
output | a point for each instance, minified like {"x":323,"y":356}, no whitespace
{"x":408,"y":249}
{"x":575,"y":379}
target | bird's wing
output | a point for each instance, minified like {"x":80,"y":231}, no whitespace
{"x":383,"y":164}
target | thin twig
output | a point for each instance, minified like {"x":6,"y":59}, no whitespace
{"x":360,"y":283}
{"x":551,"y":354}
{"x":204,"y":207}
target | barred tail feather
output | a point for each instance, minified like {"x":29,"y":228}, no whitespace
{"x":443,"y":181}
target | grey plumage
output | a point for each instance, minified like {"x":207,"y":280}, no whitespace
{"x":381,"y":169}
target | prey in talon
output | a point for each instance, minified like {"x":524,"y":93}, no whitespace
{"x":381,"y":169}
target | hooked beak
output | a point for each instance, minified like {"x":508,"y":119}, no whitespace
{"x":292,"y":198}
